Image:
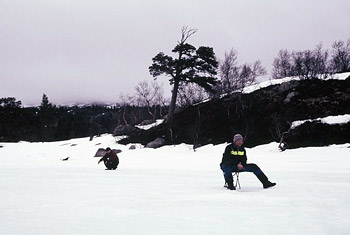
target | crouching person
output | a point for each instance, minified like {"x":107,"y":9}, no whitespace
{"x":235,"y":160}
{"x":110,"y":160}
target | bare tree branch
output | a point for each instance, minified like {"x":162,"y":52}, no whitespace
{"x":186,"y":33}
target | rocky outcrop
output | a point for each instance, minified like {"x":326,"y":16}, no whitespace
{"x":290,"y":96}
{"x":318,"y":134}
{"x":100,"y":152}
{"x":132,"y":147}
{"x":124,"y":130}
{"x":261,"y":116}
{"x":156,"y":143}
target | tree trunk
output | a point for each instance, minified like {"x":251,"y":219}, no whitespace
{"x":160,"y":111}
{"x":150,"y":113}
{"x":155,"y":113}
{"x":173,"y":101}
{"x":124,"y":116}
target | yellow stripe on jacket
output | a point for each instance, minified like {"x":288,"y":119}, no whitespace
{"x":240,"y":153}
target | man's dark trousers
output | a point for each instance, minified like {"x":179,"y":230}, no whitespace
{"x":228,"y":168}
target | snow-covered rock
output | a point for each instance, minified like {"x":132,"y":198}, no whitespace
{"x":331,"y":120}
{"x":146,"y":126}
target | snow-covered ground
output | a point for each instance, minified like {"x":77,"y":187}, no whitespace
{"x":171,"y":190}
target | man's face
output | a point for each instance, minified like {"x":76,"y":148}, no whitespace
{"x":239,"y":143}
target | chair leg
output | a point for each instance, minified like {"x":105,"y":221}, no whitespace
{"x":237,"y":183}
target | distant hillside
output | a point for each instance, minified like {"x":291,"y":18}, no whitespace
{"x":262,"y":116}
{"x":62,"y":123}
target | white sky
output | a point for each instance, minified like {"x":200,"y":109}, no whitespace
{"x":91,"y":51}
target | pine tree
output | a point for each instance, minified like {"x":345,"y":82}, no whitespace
{"x":45,"y":104}
{"x":191,"y":66}
{"x":46,"y":118}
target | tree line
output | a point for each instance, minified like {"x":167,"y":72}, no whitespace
{"x":49,"y":122}
{"x":313,"y":64}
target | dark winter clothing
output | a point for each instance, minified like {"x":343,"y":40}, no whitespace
{"x":110,"y":160}
{"x":230,"y":186}
{"x":235,"y":155}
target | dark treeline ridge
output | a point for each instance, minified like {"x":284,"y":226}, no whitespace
{"x":263,"y":116}
{"x":48,"y":122}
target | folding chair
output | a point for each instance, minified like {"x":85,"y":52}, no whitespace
{"x":236,"y":174}
{"x":236,"y":182}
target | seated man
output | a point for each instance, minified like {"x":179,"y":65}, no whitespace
{"x":235,"y":160}
{"x":110,"y":160}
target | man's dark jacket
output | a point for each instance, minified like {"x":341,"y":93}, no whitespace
{"x":111,"y":157}
{"x":234,"y":155}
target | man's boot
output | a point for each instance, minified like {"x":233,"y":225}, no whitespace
{"x":263,"y":179}
{"x":269,"y":184}
{"x":230,"y":185}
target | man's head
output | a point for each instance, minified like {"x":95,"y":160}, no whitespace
{"x":238,"y":140}
{"x":108,"y":149}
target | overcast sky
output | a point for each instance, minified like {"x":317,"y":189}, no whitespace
{"x":91,"y":51}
